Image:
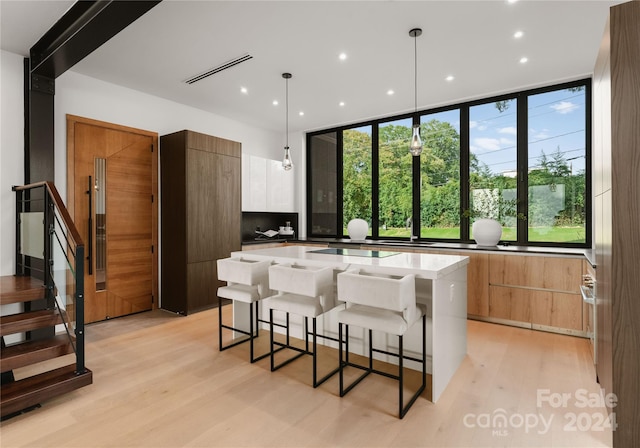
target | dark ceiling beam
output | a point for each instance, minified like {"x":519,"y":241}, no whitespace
{"x":82,"y":29}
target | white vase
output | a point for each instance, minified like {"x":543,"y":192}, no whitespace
{"x":487,"y":232}
{"x":357,"y":229}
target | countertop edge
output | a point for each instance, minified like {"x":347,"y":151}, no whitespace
{"x":588,"y":254}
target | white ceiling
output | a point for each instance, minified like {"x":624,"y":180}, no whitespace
{"x":471,"y":40}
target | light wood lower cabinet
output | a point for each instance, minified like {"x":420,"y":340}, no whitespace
{"x":537,"y":307}
{"x":557,"y":309}
{"x":538,"y":291}
{"x":477,"y":284}
{"x":512,"y":303}
{"x":555,"y":273}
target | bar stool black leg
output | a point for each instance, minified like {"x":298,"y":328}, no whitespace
{"x":400,"y":376}
{"x":340,"y":363}
{"x":370,"y":349}
{"x":315,"y":352}
{"x":251,"y":335}
{"x":219,"y":324}
{"x":271,"y":337}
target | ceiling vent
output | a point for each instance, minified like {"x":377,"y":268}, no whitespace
{"x":219,"y":68}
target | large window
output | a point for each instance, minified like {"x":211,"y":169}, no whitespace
{"x":394,"y":179}
{"x":493,"y":165}
{"x":356,"y":175}
{"x":557,"y":166}
{"x":440,"y":175}
{"x":322,"y":197}
{"x":522,"y":159}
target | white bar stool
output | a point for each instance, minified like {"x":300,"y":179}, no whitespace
{"x":381,"y":303}
{"x":247,"y":282}
{"x":306,"y":291}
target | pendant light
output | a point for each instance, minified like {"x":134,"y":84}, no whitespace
{"x":287,"y":164}
{"x":416,"y":143}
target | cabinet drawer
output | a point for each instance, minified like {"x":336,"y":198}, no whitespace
{"x":553,"y":273}
{"x":537,"y":307}
{"x":562,"y":274}
{"x":512,"y":303}
{"x":557,"y":310}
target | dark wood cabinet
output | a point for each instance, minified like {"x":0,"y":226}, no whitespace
{"x":617,"y":217}
{"x":201,"y":216}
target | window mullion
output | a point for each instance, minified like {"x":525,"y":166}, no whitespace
{"x":523,"y":169}
{"x":340,"y":186}
{"x":375,"y":184}
{"x":464,"y":173}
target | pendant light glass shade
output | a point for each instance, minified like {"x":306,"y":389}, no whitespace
{"x":287,"y":163}
{"x":415,"y":148}
{"x":416,"y":142}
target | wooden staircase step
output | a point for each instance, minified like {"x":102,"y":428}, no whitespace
{"x":18,"y":395}
{"x":31,"y":320}
{"x":31,"y":352}
{"x":17,"y":289}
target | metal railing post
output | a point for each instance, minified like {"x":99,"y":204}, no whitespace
{"x":18,"y":254}
{"x":79,"y":317}
{"x":48,"y":253}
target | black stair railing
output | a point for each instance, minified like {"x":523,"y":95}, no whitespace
{"x":49,"y":247}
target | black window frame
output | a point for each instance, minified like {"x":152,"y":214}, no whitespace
{"x":521,"y":98}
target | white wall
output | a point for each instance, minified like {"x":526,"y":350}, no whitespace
{"x":88,"y":97}
{"x":11,"y":165}
{"x":11,"y":153}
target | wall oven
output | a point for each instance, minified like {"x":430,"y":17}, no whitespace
{"x":588,"y":290}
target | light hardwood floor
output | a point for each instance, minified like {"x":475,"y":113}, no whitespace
{"x":160,"y":381}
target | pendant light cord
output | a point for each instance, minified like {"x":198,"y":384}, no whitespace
{"x":287,"y":110}
{"x":415,"y":71}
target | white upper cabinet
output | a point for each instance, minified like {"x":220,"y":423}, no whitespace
{"x":266,"y":186}
{"x":254,"y":184}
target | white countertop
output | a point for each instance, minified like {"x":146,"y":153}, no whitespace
{"x":429,"y":266}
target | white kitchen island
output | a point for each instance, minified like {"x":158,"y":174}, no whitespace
{"x":441,"y":284}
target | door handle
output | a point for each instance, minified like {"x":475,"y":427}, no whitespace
{"x":90,"y":229}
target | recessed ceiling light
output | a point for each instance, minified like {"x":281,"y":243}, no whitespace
{"x":275,"y":102}
{"x":390,"y":92}
{"x":523,"y":60}
{"x":243,"y":89}
{"x":511,"y":1}
{"x":341,"y":103}
{"x":449,"y":78}
{"x":518,"y":34}
{"x":301,"y":113}
{"x":342,"y":56}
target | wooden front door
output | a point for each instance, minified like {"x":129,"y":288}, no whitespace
{"x":112,"y":185}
